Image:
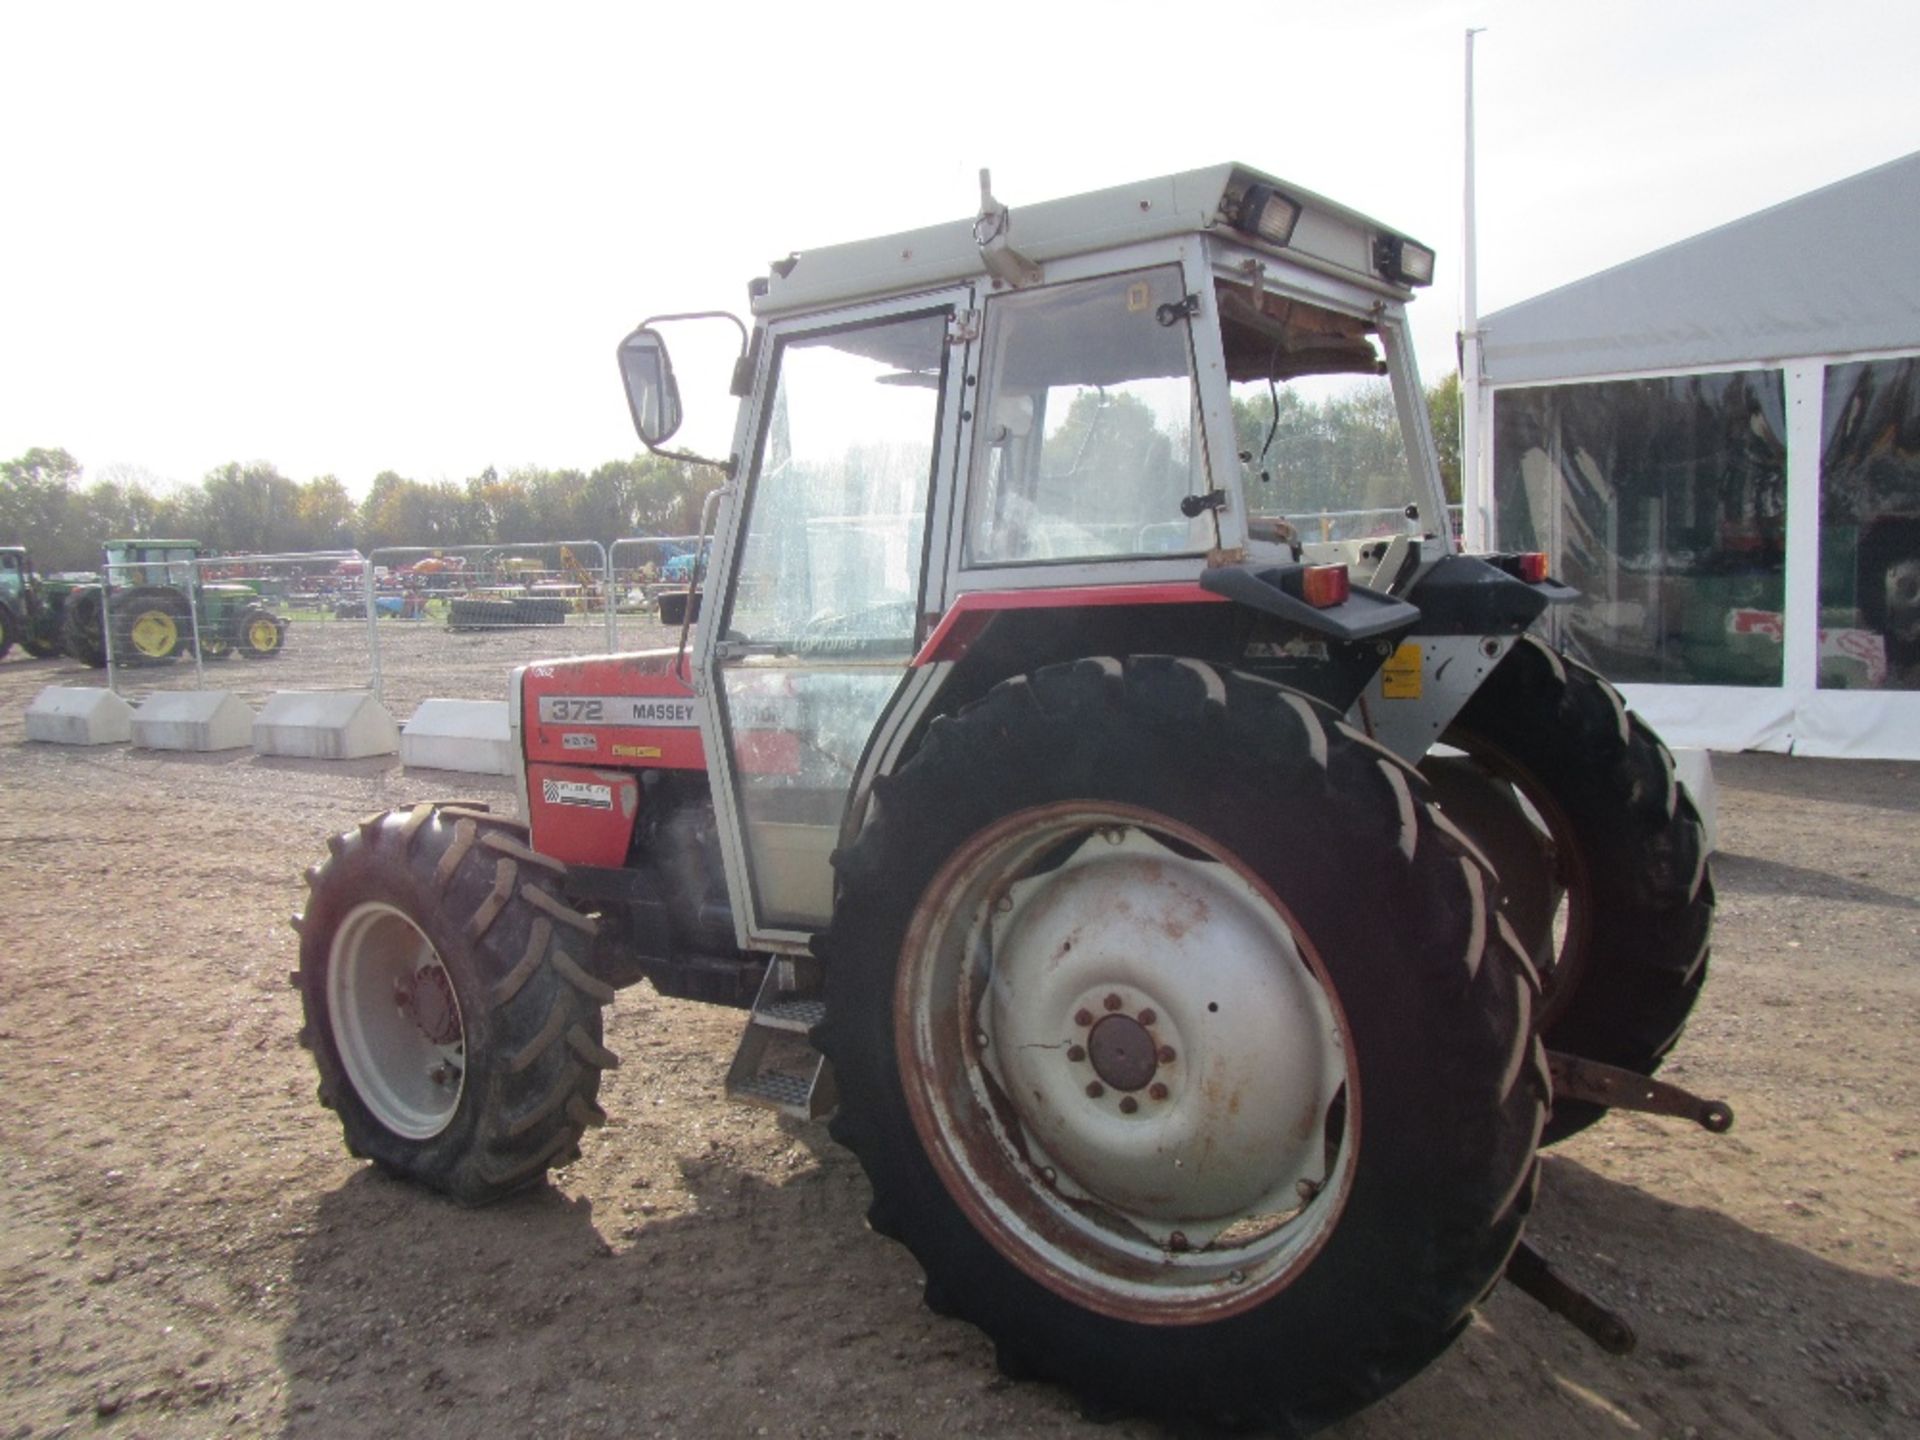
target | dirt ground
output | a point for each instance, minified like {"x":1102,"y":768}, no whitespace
{"x":185,"y":1248}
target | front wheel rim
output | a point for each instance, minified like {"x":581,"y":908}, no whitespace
{"x":263,"y":635}
{"x":396,"y":1021}
{"x":1127,"y":1063}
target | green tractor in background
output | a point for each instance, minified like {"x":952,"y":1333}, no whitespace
{"x":151,"y":593}
{"x":32,"y":607}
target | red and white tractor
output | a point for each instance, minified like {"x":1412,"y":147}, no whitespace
{"x":1188,"y":882}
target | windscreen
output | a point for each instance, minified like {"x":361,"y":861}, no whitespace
{"x":1318,"y":431}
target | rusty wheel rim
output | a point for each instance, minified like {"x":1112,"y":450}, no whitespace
{"x":1127,"y":1063}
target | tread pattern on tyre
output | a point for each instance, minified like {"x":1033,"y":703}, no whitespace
{"x":1645,"y":856}
{"x":532,"y":1012}
{"x":1455,"y":1081}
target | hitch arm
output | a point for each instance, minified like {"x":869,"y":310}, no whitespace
{"x":1529,"y":1271}
{"x":1609,"y":1085}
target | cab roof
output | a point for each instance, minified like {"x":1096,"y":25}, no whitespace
{"x":1328,"y":236}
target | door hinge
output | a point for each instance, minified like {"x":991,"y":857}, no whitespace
{"x":1175,"y":311}
{"x":963,"y":328}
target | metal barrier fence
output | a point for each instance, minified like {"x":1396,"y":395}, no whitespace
{"x":650,"y":575}
{"x":407,"y":622}
{"x":167,"y":618}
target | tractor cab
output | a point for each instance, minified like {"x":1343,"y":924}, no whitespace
{"x":1088,"y":422}
{"x":14,"y":570}
{"x":152,"y":562}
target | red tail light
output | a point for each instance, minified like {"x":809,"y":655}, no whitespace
{"x":1324,"y":586}
{"x":1531,"y":567}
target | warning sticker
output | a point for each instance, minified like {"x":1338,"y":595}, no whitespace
{"x":637,"y":752}
{"x":1400,"y":676}
{"x":577,"y":792}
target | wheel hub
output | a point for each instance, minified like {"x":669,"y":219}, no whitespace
{"x":1152,"y":1025}
{"x":396,"y":1020}
{"x":1122,"y":1051}
{"x":1126,"y":1062}
{"x":427,"y":1000}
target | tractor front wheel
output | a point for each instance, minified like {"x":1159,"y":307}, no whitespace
{"x":261,"y":633}
{"x":1180,"y":1045}
{"x":457,"y":1037}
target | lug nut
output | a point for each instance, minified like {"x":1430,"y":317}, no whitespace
{"x":1147,"y":1017}
{"x":1113,"y":1002}
{"x":1166,"y":1055}
{"x":1128,"y":1104}
{"x":1083,"y":1018}
{"x":1076,"y":1053}
{"x":1095,"y":1089}
{"x":1157,"y":1091}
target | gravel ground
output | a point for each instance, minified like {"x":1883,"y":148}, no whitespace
{"x":185,"y":1248}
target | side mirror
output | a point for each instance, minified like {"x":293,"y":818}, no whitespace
{"x":652,"y":393}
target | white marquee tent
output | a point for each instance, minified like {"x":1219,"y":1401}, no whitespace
{"x":1719,"y":445}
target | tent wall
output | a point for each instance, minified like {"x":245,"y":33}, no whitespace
{"x":1747,"y":542}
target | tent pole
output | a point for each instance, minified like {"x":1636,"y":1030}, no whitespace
{"x":1476,"y":507}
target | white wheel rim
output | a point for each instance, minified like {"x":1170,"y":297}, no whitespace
{"x":396,"y":1021}
{"x":1127,"y":1063}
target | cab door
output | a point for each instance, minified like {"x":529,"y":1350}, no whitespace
{"x":826,"y":557}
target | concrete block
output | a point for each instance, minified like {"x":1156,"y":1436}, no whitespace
{"x":1694,"y":769}
{"x":193,"y":720}
{"x":79,"y":715}
{"x":469,"y":735}
{"x":324,"y":725}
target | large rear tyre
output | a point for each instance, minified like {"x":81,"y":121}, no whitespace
{"x":1603,"y":867}
{"x":1181,"y":1045}
{"x":151,"y":626}
{"x":81,"y":631}
{"x":7,"y":631}
{"x":456,"y":1037}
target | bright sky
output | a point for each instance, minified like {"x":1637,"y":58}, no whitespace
{"x":351,"y":237}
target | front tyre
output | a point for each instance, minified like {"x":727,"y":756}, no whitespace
{"x":1181,"y":1045}
{"x":456,"y":1036}
{"x":259,"y":633}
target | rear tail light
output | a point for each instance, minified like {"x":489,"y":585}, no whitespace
{"x":1324,"y":586}
{"x":1530,"y":566}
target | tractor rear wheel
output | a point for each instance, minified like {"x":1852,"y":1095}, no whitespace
{"x":81,"y":631}
{"x":1602,"y":858}
{"x":1179,"y":1045}
{"x":456,"y":1036}
{"x":7,"y":631}
{"x":151,"y":626}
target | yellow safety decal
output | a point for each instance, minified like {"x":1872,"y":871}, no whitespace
{"x":1400,"y":676}
{"x":637,"y":752}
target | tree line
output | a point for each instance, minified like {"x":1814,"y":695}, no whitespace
{"x":49,"y":505}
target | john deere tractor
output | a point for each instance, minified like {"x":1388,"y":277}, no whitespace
{"x":150,"y":597}
{"x":32,"y":607}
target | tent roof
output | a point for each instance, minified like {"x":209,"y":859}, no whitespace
{"x":1825,"y":274}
